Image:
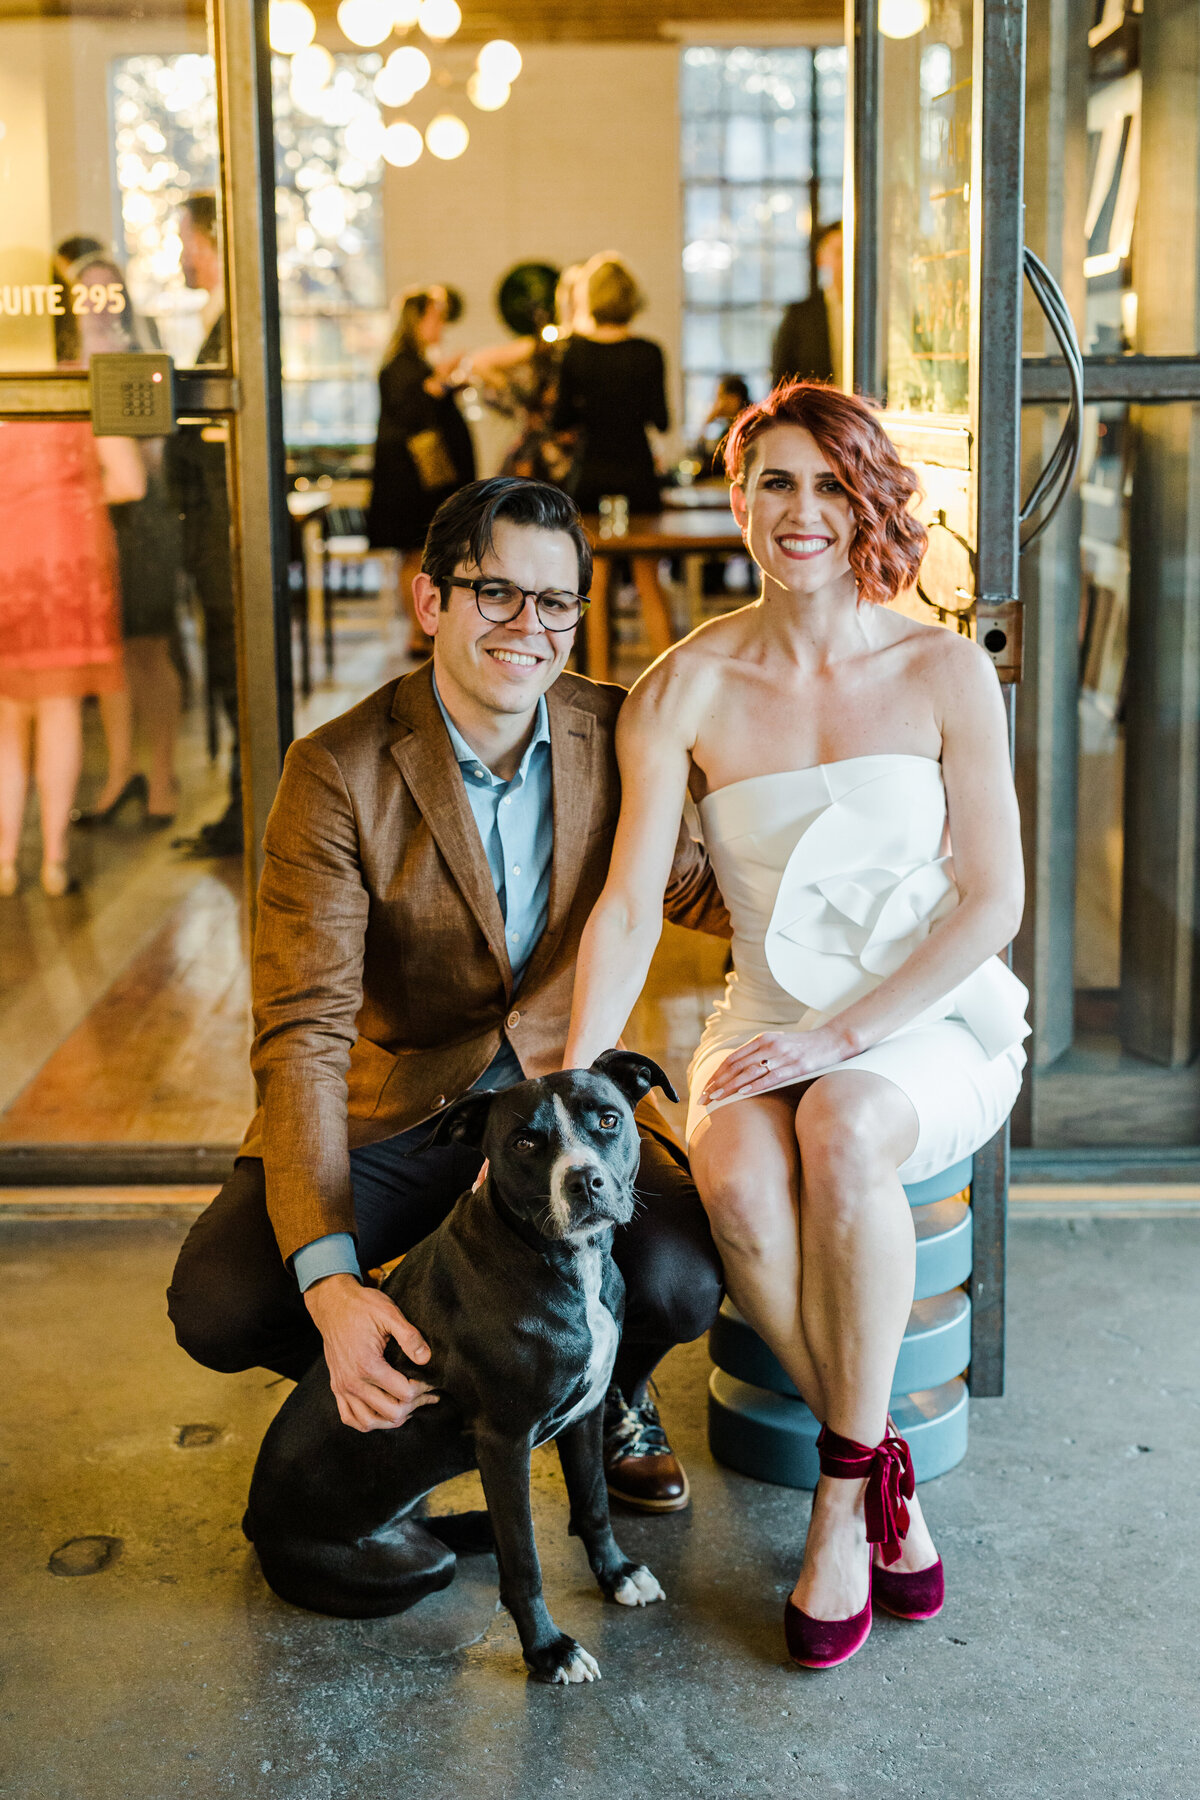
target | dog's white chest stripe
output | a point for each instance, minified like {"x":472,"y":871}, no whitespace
{"x":603,"y":1329}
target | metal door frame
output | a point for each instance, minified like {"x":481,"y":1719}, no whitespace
{"x":248,"y":398}
{"x":997,"y":159}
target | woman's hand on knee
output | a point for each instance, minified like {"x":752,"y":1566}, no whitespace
{"x":776,"y":1059}
{"x":355,"y":1323}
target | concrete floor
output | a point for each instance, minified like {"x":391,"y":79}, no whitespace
{"x":1063,"y":1665}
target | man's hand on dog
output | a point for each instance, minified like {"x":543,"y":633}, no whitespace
{"x":356,"y":1323}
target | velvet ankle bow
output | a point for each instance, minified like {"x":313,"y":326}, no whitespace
{"x":890,"y":1482}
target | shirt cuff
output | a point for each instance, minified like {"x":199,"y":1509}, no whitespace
{"x":331,"y":1255}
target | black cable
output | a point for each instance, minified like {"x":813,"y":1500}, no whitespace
{"x":1053,"y":484}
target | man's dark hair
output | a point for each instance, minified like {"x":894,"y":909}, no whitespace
{"x":202,"y":210}
{"x":463,"y":526}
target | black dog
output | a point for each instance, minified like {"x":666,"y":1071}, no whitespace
{"x":520,"y":1302}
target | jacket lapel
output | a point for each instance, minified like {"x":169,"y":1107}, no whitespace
{"x":573,"y":770}
{"x":427,"y":762}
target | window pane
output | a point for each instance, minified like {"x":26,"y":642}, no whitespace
{"x":745,"y":149}
{"x":700,"y":83}
{"x":746,"y":275}
{"x":702,"y":345}
{"x":791,"y":146}
{"x":701,"y":148}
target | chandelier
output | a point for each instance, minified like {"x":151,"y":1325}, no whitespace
{"x":406,"y":71}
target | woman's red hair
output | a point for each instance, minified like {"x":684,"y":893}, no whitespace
{"x":889,"y":542}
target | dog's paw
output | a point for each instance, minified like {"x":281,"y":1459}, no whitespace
{"x":563,"y":1664}
{"x":638,"y":1588}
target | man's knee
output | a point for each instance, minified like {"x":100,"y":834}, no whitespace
{"x":672,"y":1270}
{"x":214,"y":1330}
{"x":232,"y":1302}
{"x":672,"y":1291}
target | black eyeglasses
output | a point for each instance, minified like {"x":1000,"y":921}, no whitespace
{"x":500,"y":602}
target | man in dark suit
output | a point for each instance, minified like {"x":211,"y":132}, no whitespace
{"x":199,"y":480}
{"x":808,"y":344}
{"x":431,"y":860}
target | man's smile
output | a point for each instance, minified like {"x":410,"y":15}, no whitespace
{"x":521,"y":659}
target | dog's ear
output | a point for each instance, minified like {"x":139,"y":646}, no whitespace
{"x":635,"y":1075}
{"x":463,"y":1123}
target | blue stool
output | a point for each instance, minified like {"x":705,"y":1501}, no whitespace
{"x":757,"y":1423}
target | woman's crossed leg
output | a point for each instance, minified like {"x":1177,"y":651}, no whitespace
{"x":816,"y":1235}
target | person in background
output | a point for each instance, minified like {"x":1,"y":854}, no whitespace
{"x":147,"y":536}
{"x":423,"y":451}
{"x":520,"y":379}
{"x":808,"y":344}
{"x":731,"y":398}
{"x":196,"y":473}
{"x":612,"y":385}
{"x":59,"y":629}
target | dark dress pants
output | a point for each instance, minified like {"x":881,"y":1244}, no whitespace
{"x":235,"y":1304}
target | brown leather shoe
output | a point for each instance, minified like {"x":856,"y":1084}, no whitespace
{"x":640,"y":1467}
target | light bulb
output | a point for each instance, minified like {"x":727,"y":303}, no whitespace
{"x":499,"y":61}
{"x":390,"y":87}
{"x":903,"y":18}
{"x":290,"y":26}
{"x":446,"y":137}
{"x":365,"y":22}
{"x":311,"y":69}
{"x":404,"y":14}
{"x":487,"y":95}
{"x":364,"y":137}
{"x":401,"y":145}
{"x":439,"y":19}
{"x":412,"y":66}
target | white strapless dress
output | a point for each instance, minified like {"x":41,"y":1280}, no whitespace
{"x":832,"y":876}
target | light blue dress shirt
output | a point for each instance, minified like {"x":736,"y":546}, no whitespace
{"x":516,"y":827}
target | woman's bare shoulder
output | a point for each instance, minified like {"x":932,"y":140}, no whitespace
{"x":678,"y":689}
{"x":941,"y":652}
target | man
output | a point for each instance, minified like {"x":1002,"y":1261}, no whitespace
{"x":808,"y":344}
{"x":431,"y":860}
{"x":198,"y":478}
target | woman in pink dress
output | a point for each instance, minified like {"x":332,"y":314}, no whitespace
{"x":60,"y":634}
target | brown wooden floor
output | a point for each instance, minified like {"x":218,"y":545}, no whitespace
{"x":161,"y":1058}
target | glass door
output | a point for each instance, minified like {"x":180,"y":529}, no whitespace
{"x":933,"y":317}
{"x":142,"y":700}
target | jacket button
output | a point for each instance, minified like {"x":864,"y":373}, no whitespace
{"x":513,"y":1020}
{"x":439,"y":1100}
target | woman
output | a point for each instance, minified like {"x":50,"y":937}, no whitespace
{"x":868,"y":1035}
{"x":59,"y":624}
{"x":148,"y":560}
{"x":611,"y":387}
{"x":423,"y":452}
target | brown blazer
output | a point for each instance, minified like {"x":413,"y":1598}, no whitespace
{"x":382,"y":986}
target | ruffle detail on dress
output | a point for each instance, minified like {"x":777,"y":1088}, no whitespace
{"x":864,"y":886}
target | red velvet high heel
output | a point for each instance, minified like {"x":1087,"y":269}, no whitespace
{"x":824,"y":1643}
{"x":918,"y":1594}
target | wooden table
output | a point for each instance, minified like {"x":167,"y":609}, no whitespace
{"x":692,"y":533}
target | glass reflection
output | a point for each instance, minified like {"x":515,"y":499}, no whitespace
{"x":925,"y":216}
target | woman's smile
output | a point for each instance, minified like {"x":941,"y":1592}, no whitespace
{"x":803,"y":546}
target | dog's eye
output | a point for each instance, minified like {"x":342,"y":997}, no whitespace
{"x":524,"y":1142}
{"x":609,"y":1121}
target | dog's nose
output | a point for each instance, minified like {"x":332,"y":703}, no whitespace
{"x":584,"y":1179}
